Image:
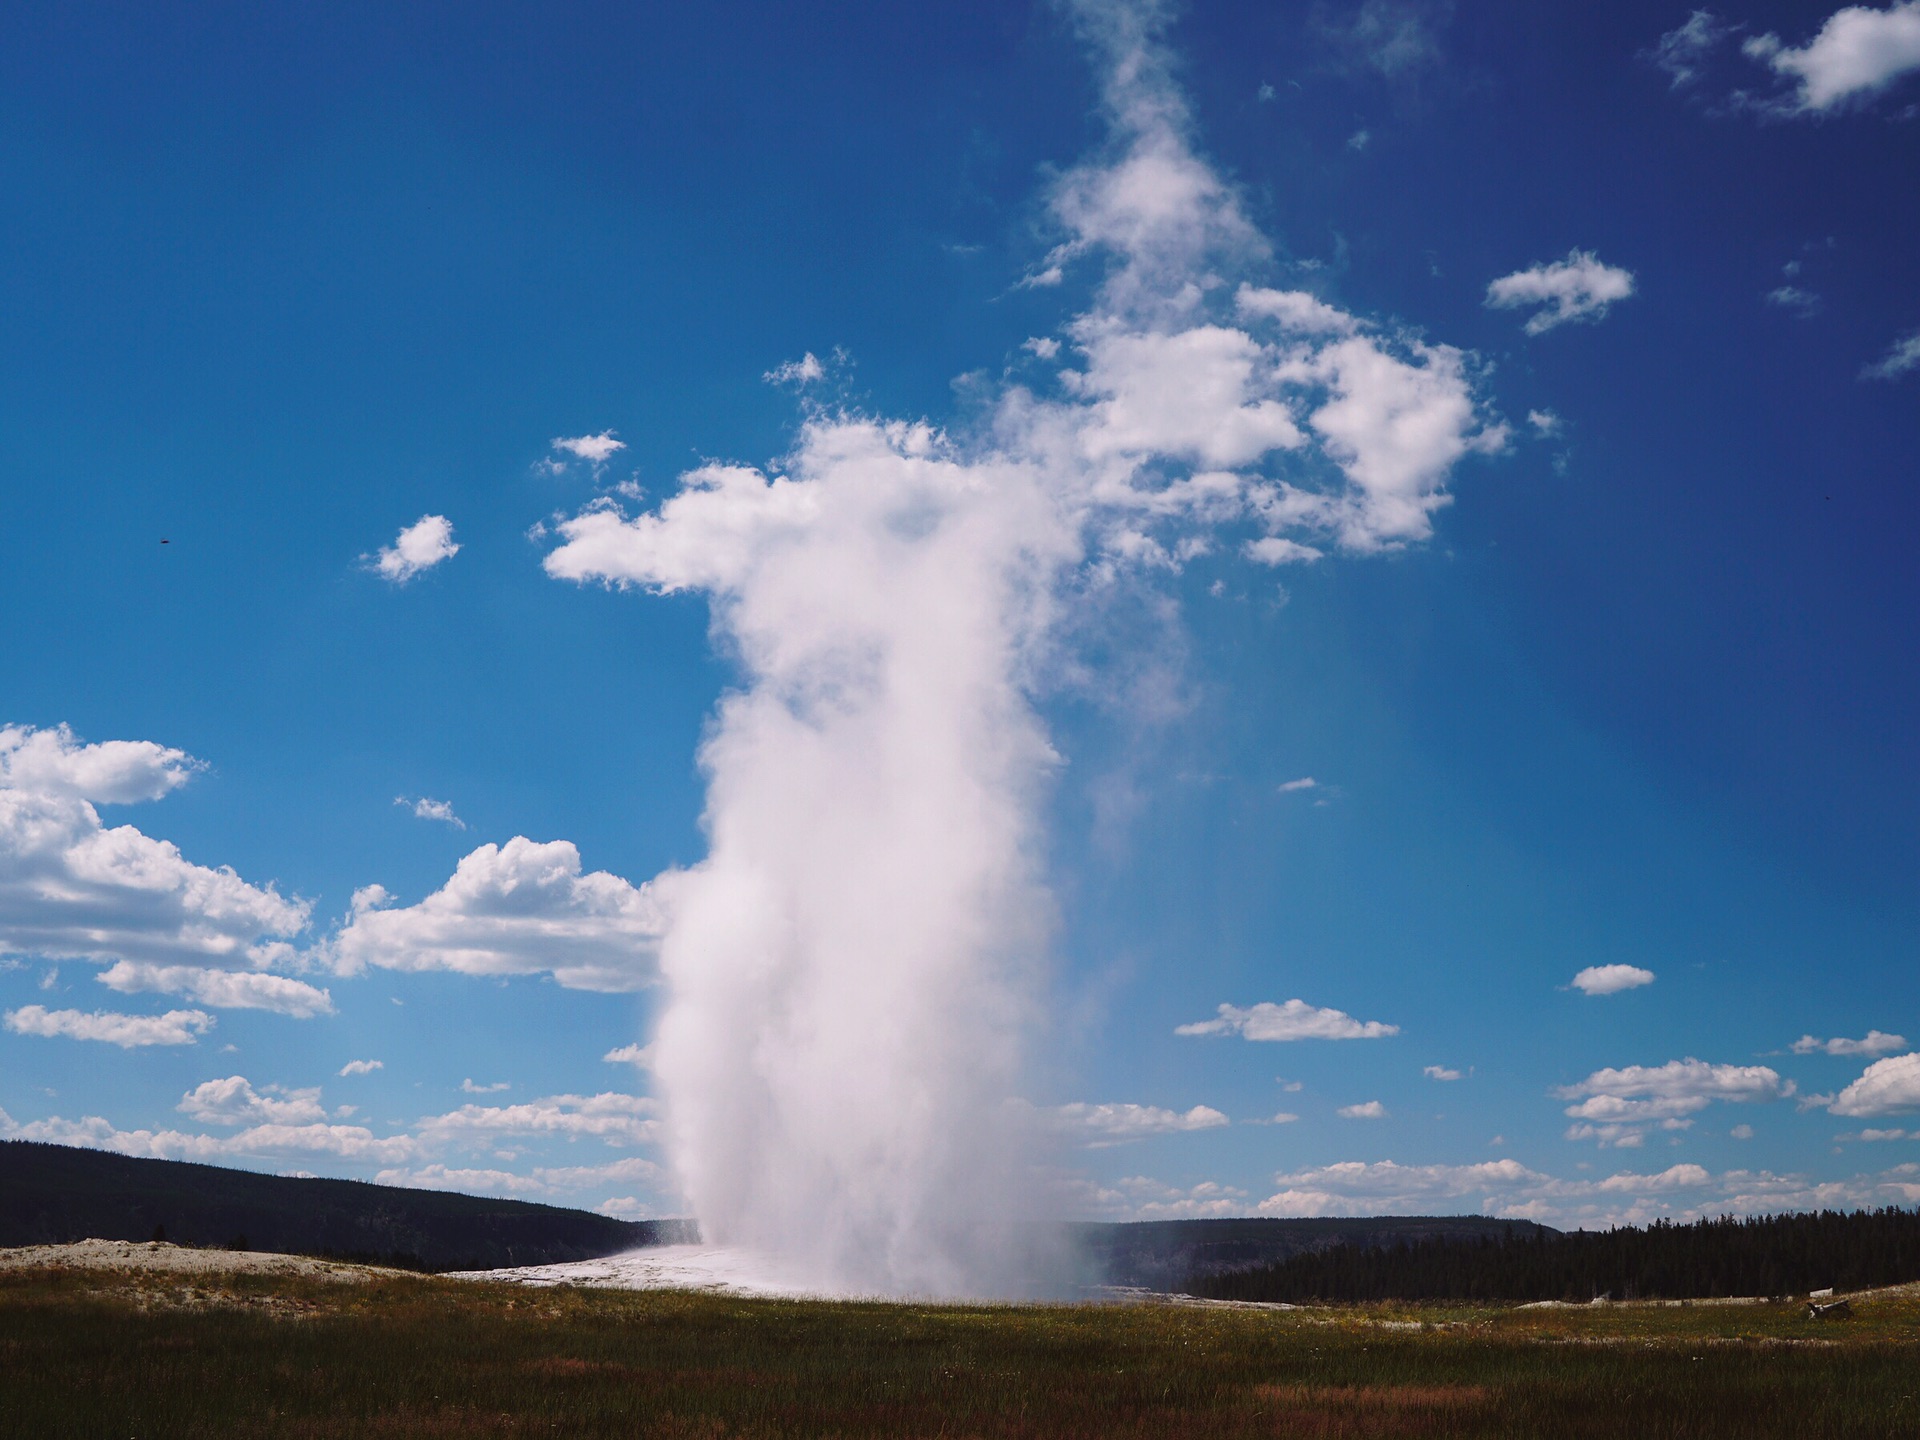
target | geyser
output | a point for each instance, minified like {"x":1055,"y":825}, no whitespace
{"x":852,"y":972}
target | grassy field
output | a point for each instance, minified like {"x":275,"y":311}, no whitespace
{"x":115,"y":1354}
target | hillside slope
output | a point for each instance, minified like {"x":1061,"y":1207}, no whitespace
{"x":54,"y":1193}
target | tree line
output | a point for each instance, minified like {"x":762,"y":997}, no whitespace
{"x":1754,"y":1255}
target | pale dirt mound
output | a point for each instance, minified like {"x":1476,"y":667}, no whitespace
{"x":157,"y":1256}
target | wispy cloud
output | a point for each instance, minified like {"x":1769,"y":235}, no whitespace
{"x":1578,"y":288}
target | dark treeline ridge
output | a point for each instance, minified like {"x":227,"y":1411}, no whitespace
{"x":51,"y":1194}
{"x":1169,"y":1254}
{"x":1762,"y":1255}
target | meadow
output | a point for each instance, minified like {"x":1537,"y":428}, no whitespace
{"x":126,"y":1354}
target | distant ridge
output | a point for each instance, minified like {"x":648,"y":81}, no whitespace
{"x":1176,"y":1255}
{"x":51,"y":1194}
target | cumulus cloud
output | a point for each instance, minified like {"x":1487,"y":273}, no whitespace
{"x":54,"y":763}
{"x":1858,"y":53}
{"x":614,"y":1118}
{"x":176,"y":1027}
{"x":637,"y":1055}
{"x":1305,"y":782}
{"x":596,"y":450}
{"x":234,"y":1101}
{"x":362,"y":1067}
{"x":73,"y":888}
{"x":426,"y":809}
{"x":523,"y":908}
{"x":1902,"y":357}
{"x":1874,"y":1042}
{"x":418,"y":548}
{"x":1885,"y":1087}
{"x":1577,"y":288}
{"x":1101,"y":1125}
{"x":1368,"y":1110}
{"x":1293,"y":1020}
{"x":1617,"y":1106}
{"x":343,"y":1142}
{"x":1611,"y":979}
{"x":222,"y":989}
{"x":1294,"y":310}
{"x":1440,"y":1072}
{"x":468,"y":1086}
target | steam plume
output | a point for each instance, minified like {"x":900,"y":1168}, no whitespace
{"x":852,"y":970}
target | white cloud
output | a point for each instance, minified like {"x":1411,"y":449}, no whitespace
{"x":617,"y":1119}
{"x":1874,"y":1042}
{"x":1545,"y":423}
{"x":1103,"y":1125}
{"x":1305,"y":782}
{"x":176,"y":1027}
{"x":1872,"y":1136}
{"x":1884,"y":1087}
{"x":522,"y":908}
{"x":1278,"y":550}
{"x":596,"y":450}
{"x":1043,"y":347}
{"x":1576,"y":288}
{"x":438,"y":1176}
{"x":234,"y":1101}
{"x":1902,"y":357}
{"x":54,"y":763}
{"x":637,"y":1055}
{"x":1196,"y":393}
{"x":1294,"y":310}
{"x":1440,"y":1072}
{"x":418,"y":548}
{"x":1611,"y":979}
{"x":1803,"y":303}
{"x":1369,"y":1110}
{"x":362,"y":1067}
{"x":426,"y":809}
{"x":1617,"y":1106}
{"x":1858,"y":52}
{"x":1293,"y":1020}
{"x":346,"y":1142}
{"x":1384,"y":1186}
{"x":222,"y":989}
{"x":1741,"y":1132}
{"x":803,"y":371}
{"x":468,"y":1087}
{"x":70,"y":888}
{"x":1676,"y":1177}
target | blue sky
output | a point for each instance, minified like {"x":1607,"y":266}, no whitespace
{"x":1631,"y":685}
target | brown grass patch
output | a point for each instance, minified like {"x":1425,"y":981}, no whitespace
{"x":568,"y":1367}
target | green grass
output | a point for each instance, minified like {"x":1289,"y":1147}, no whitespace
{"x":103,"y":1354}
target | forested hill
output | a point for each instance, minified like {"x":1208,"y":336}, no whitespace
{"x":1764,"y":1255}
{"x":54,"y":1193}
{"x":1174,"y":1254}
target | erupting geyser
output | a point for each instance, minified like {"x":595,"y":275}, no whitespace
{"x":852,"y":971}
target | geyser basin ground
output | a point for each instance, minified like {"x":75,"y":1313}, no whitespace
{"x":718,"y":1269}
{"x":160,"y":1353}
